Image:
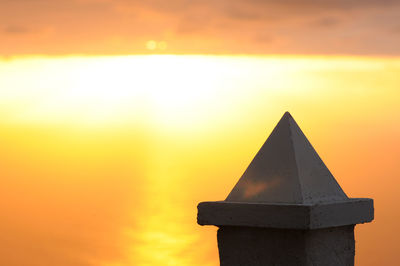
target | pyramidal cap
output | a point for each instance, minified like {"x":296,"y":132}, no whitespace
{"x":287,"y":169}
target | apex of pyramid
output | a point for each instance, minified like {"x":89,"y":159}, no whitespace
{"x":287,"y":169}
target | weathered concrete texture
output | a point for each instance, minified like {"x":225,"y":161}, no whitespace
{"x":245,"y":246}
{"x":287,"y":169}
{"x":286,"y":216}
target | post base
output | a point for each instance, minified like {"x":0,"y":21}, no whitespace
{"x":250,"y":246}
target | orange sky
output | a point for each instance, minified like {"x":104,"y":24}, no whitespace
{"x":191,"y":26}
{"x":103,"y":164}
{"x":118,"y":116}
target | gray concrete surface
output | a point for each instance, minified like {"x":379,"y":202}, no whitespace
{"x":287,"y":169}
{"x":286,"y":216}
{"x":246,"y":246}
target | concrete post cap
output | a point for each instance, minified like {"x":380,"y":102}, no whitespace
{"x":286,"y":216}
{"x":286,"y":185}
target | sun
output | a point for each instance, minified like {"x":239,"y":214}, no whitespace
{"x":164,"y":89}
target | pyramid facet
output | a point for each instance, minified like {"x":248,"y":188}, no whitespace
{"x":287,"y":169}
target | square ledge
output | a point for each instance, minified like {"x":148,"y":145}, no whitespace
{"x":286,"y":216}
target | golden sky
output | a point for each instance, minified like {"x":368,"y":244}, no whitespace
{"x":369,"y":27}
{"x":104,"y":159}
{"x":117,"y":117}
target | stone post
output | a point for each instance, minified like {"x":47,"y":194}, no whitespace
{"x":287,"y":209}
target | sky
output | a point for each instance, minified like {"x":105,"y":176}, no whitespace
{"x":104,"y":159}
{"x":118,"y":117}
{"x":369,"y":27}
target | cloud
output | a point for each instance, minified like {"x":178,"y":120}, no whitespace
{"x":326,"y":22}
{"x":12,"y":29}
{"x":194,"y":26}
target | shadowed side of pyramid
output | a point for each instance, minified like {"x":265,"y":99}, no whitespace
{"x":287,"y":169}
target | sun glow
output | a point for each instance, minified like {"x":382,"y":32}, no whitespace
{"x":172,"y":90}
{"x":154,"y":135}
